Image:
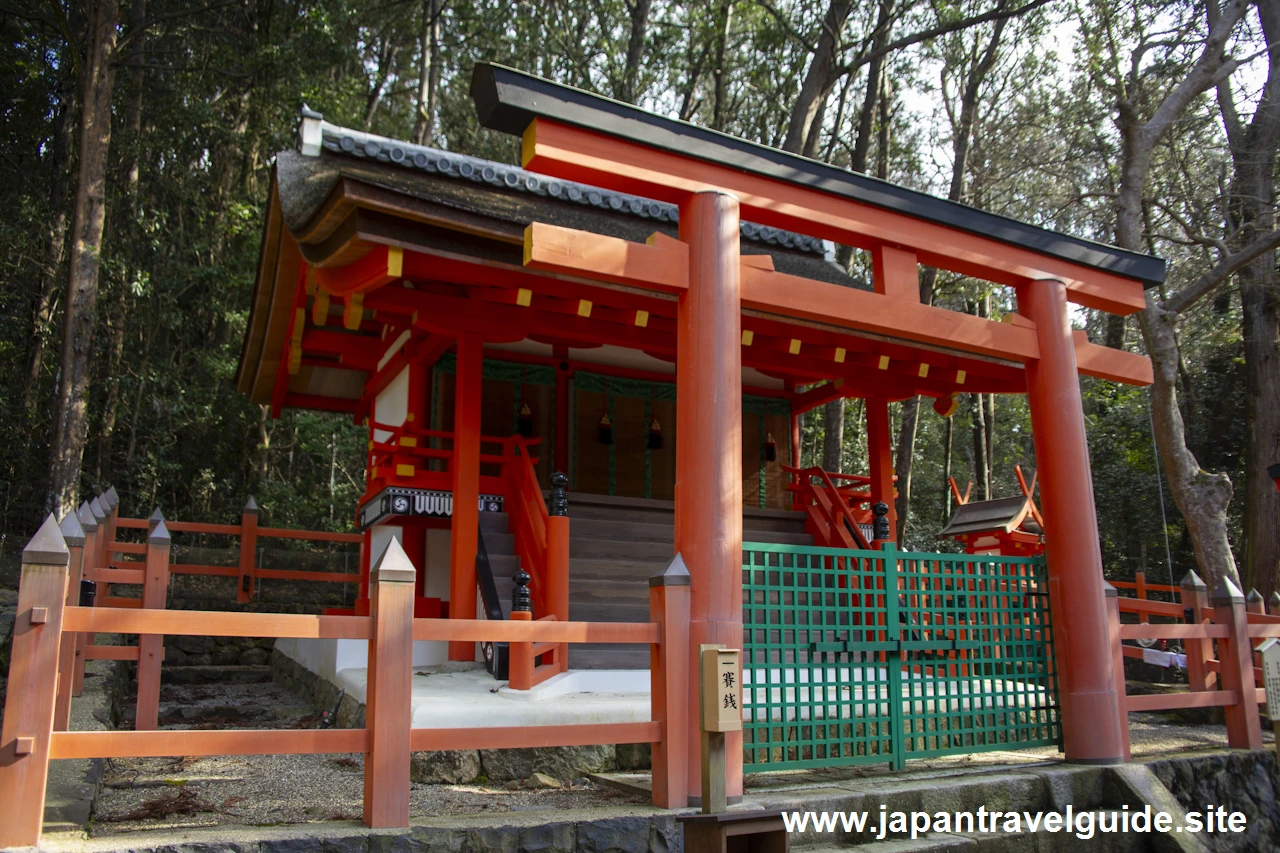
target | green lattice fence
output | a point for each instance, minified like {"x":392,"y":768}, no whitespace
{"x":879,"y":656}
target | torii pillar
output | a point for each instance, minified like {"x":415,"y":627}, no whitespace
{"x":1094,"y":722}
{"x":708,"y":493}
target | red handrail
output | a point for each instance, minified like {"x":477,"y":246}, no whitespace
{"x":828,"y":510}
{"x":527,"y":514}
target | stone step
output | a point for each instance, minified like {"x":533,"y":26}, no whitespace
{"x":608,"y":656}
{"x":493,"y":521}
{"x":593,"y":545}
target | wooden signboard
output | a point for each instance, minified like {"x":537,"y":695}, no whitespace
{"x":1270,"y":651}
{"x":721,"y":690}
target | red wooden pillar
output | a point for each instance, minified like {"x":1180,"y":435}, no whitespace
{"x":155,"y":590}
{"x":1244,"y":730}
{"x":70,"y":651}
{"x":88,"y":566}
{"x":557,"y":585}
{"x":248,"y":551}
{"x":1195,"y":597}
{"x":880,"y":458}
{"x":33,"y":687}
{"x":560,"y":457}
{"x":669,"y":683}
{"x":465,"y":470}
{"x":708,"y":493}
{"x":414,"y":538}
{"x":1117,"y":659}
{"x":388,"y":702}
{"x":1093,"y":720}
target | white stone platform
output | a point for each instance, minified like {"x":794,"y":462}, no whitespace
{"x":457,"y":700}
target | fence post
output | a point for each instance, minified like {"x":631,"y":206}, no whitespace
{"x":1273,"y":604}
{"x":388,"y":701}
{"x":1117,"y":664}
{"x":1244,"y":730}
{"x":33,"y":687}
{"x":520,"y":655}
{"x":1254,"y":602}
{"x":1195,"y":600}
{"x":248,"y":551}
{"x":558,"y":559}
{"x":155,"y":589}
{"x":669,"y":683}
{"x":100,"y":546}
{"x":87,"y":567}
{"x":1140,"y":591}
{"x":73,"y":537}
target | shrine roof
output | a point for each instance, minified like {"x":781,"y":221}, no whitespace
{"x":1001,"y":514}
{"x":510,"y":101}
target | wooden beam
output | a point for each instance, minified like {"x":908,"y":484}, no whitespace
{"x":383,"y":264}
{"x":107,"y":620}
{"x":1113,"y":364}
{"x":504,"y":737}
{"x":791,"y":295}
{"x":896,"y":273}
{"x":819,"y":395}
{"x":170,"y":742}
{"x":582,"y":155}
{"x":662,"y":262}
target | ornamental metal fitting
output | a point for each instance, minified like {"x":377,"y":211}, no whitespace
{"x":521,"y":602}
{"x":880,"y":525}
{"x":559,"y":504}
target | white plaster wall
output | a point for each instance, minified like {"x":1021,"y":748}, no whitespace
{"x":327,"y":658}
{"x":392,"y":405}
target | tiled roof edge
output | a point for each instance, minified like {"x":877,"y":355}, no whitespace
{"x":315,"y":134}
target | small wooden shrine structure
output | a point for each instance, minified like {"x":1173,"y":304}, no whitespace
{"x":648,"y":305}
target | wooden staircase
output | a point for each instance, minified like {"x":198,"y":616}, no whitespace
{"x":615,"y":545}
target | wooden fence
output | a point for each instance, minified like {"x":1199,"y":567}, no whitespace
{"x":49,"y":626}
{"x":1218,"y":634}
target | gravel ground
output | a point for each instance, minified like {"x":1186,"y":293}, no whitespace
{"x":268,"y":790}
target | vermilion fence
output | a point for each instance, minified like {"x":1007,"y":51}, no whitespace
{"x":48,"y":625}
{"x":1217,"y":633}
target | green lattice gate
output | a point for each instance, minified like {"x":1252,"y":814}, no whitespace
{"x":880,"y":656}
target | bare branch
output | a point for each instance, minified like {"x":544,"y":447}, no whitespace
{"x":1222,"y":270}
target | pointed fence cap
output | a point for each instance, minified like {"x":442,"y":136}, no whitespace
{"x":159,"y":535}
{"x":104,"y":498}
{"x":1227,"y":593}
{"x":675,"y":574}
{"x":95,"y":507}
{"x":1191,"y":581}
{"x":156,"y":517}
{"x":113,"y":496}
{"x":1254,"y":596}
{"x":251,"y":506}
{"x":72,"y":532}
{"x":47,"y":547}
{"x":1109,"y":591}
{"x":394,"y":565}
{"x":87,"y":521}
{"x":1274,"y":600}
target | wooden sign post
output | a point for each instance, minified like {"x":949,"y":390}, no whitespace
{"x":720,"y":681}
{"x":1270,"y":651}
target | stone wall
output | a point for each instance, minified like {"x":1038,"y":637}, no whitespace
{"x":1240,"y":780}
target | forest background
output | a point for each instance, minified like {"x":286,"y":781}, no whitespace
{"x":136,"y":150}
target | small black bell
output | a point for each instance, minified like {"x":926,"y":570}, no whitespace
{"x":606,"y":429}
{"x":770,"y":448}
{"x":524,"y":423}
{"x":655,"y":435}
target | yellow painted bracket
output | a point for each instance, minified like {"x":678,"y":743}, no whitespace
{"x":662,"y":263}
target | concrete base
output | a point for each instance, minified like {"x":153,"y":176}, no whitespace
{"x":445,"y":699}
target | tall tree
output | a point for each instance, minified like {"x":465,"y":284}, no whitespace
{"x":71,"y":424}
{"x":429,"y":73}
{"x":1201,"y":497}
{"x":1251,"y":213}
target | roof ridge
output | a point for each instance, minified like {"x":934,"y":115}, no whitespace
{"x":316,"y":135}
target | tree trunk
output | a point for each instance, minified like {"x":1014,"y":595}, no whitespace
{"x":906,"y":451}
{"x":720,"y":74}
{"x":980,"y":465}
{"x":833,"y":435}
{"x":70,"y":427}
{"x":820,"y":78}
{"x":120,"y":311}
{"x":429,"y":76}
{"x":639,"y":13}
{"x":55,"y":243}
{"x":1262,"y":423}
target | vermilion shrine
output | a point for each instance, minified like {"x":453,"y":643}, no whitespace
{"x":647,"y":306}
